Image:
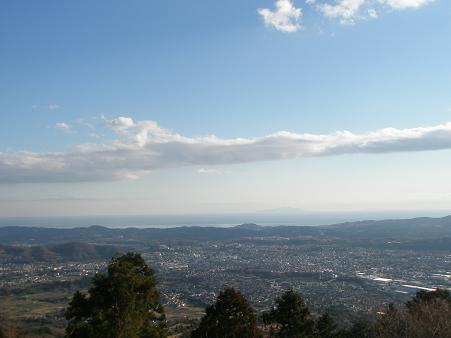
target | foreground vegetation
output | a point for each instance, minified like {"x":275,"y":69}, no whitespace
{"x":124,"y":303}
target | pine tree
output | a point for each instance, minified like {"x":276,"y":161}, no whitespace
{"x":291,"y":316}
{"x":325,"y":326}
{"x":360,"y":329}
{"x":230,"y":317}
{"x":124,"y":303}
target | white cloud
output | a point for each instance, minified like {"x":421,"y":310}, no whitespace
{"x":54,"y":106}
{"x":62,"y":126}
{"x":372,"y":13}
{"x":350,"y":11}
{"x":49,"y":106}
{"x":347,"y":10}
{"x":209,"y":171}
{"x":405,"y":4}
{"x":120,"y":123}
{"x":144,"y":146}
{"x":140,"y":133}
{"x":284,"y":18}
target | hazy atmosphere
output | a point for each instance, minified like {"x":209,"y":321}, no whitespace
{"x":225,"y":169}
{"x":156,"y":107}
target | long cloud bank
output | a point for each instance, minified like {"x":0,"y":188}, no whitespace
{"x":144,"y":146}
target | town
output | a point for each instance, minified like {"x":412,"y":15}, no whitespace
{"x":346,"y":279}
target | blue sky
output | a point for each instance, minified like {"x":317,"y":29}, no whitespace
{"x":70,"y":70}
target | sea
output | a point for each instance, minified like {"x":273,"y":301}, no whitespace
{"x":208,"y":220}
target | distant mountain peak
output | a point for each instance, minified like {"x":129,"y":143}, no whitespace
{"x":249,"y":226}
{"x":98,"y":227}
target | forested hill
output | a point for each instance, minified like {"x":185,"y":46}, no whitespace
{"x":411,"y":230}
{"x":73,"y":251}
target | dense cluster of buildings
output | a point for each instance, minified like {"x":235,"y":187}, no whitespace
{"x":331,"y":276}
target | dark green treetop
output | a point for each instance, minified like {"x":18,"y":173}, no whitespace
{"x":230,"y":317}
{"x":124,"y":303}
{"x":325,"y":326}
{"x":292,"y":317}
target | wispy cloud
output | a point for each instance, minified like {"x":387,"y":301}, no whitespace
{"x":54,"y":106}
{"x":62,"y":126}
{"x":51,"y":106}
{"x":404,"y":4}
{"x":285,"y":17}
{"x":144,"y":146}
{"x":210,"y":171}
{"x":350,"y":11}
{"x":347,"y":10}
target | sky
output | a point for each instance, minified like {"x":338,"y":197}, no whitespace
{"x":155,"y":107}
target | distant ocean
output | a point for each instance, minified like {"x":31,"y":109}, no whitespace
{"x":213,"y":220}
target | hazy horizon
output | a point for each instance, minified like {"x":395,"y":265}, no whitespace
{"x":200,"y":108}
{"x":264,"y":218}
{"x":295,"y":154}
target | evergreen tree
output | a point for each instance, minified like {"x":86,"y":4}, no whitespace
{"x":230,"y":317}
{"x":124,"y":303}
{"x":360,"y":329}
{"x":325,"y":326}
{"x":291,"y":316}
